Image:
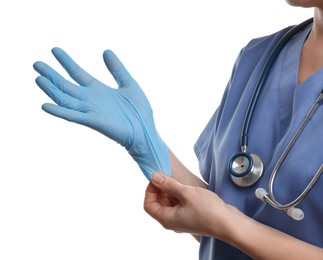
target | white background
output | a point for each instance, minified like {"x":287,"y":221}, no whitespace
{"x":68,"y":192}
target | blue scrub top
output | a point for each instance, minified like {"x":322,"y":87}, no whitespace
{"x":281,"y":107}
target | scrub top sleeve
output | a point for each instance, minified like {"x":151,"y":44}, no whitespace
{"x":205,"y":141}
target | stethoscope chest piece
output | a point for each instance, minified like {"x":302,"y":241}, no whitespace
{"x":245,"y":169}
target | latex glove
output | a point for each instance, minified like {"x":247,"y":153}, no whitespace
{"x":122,"y":114}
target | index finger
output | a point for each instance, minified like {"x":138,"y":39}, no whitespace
{"x":151,"y":204}
{"x":117,"y":69}
{"x":151,"y":194}
{"x":157,"y":204}
{"x":72,"y":68}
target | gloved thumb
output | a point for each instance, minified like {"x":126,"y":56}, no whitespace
{"x":167,"y":184}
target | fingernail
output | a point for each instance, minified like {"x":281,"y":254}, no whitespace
{"x":158,"y":178}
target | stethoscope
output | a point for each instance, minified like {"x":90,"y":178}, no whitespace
{"x":247,"y":168}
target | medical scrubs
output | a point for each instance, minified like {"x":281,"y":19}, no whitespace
{"x":281,"y":107}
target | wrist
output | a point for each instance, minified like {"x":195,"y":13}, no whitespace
{"x":223,"y":222}
{"x":230,"y":225}
{"x":246,"y":234}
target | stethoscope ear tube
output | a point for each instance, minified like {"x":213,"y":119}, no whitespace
{"x":295,"y":213}
{"x":269,"y":197}
{"x":290,"y":208}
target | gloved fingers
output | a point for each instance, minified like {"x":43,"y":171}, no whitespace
{"x":65,"y":113}
{"x":59,"y":97}
{"x":59,"y":81}
{"x":117,"y":69}
{"x":72,"y":68}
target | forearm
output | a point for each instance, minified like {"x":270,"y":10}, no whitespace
{"x":263,"y":242}
{"x":182,"y":174}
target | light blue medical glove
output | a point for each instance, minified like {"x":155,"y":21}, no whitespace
{"x":122,"y":114}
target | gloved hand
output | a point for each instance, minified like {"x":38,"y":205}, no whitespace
{"x":122,"y":114}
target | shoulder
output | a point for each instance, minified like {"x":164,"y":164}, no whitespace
{"x":258,"y":47}
{"x":254,"y":54}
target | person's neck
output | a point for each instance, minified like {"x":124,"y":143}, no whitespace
{"x":316,"y":35}
{"x":312,"y":52}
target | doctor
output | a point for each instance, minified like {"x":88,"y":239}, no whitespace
{"x":229,"y":220}
{"x":232,"y":222}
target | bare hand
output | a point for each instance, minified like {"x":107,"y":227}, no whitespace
{"x":185,"y":208}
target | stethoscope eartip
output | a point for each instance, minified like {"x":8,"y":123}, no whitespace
{"x":295,"y":213}
{"x":261,"y":193}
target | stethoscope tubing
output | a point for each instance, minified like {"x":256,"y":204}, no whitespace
{"x":263,"y":76}
{"x":270,"y":198}
{"x":243,"y":171}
